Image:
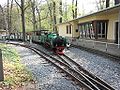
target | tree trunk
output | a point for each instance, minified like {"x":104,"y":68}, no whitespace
{"x":10,"y":17}
{"x":33,"y":12}
{"x":66,"y":18}
{"x":60,"y":10}
{"x":7,"y":27}
{"x":50,"y":11}
{"x":73,"y":9}
{"x":76,"y":9}
{"x":39,"y":18}
{"x":23,"y":19}
{"x":4,"y":19}
{"x":54,"y":17}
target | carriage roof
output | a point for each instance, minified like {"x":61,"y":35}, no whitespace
{"x":38,"y":32}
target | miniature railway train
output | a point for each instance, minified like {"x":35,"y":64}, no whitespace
{"x":49,"y":40}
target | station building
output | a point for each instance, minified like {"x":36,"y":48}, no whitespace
{"x":101,"y":25}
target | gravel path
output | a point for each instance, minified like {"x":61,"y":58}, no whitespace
{"x":47,"y":76}
{"x":107,"y":69}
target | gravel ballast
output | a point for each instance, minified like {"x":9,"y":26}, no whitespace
{"x":47,"y":76}
{"x":106,"y":69}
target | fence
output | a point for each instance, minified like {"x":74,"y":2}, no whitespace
{"x":98,"y":45}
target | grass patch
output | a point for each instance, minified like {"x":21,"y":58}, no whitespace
{"x":15,"y":73}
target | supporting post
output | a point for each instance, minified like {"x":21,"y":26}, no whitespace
{"x":30,"y":39}
{"x":93,"y":44}
{"x":106,"y":46}
{"x":119,"y":29}
{"x":1,"y":67}
{"x":95,"y":29}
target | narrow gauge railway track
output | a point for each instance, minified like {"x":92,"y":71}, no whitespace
{"x":60,"y":65}
{"x":86,"y":79}
{"x":94,"y":79}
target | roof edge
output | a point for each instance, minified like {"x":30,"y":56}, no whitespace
{"x":109,"y":8}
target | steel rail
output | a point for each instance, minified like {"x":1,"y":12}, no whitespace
{"x":85,"y":78}
{"x":88,"y":74}
{"x":47,"y":57}
{"x":88,"y":77}
{"x":96,"y":84}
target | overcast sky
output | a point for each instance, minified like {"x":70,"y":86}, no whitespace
{"x":84,"y":5}
{"x":3,"y":1}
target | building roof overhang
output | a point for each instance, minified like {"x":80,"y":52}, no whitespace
{"x":106,"y":11}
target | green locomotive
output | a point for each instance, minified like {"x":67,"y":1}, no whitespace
{"x":50,"y":40}
{"x":53,"y":41}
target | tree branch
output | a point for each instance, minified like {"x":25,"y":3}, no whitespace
{"x":29,"y":19}
{"x":45,"y":17}
{"x":39,"y":10}
{"x":18,"y":4}
{"x":27,"y":6}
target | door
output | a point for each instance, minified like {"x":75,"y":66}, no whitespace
{"x":116,"y":32}
{"x":102,"y":29}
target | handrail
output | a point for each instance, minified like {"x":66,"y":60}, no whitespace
{"x":99,"y":41}
{"x":93,"y":41}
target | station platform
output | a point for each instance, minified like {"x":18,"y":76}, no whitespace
{"x":103,"y":48}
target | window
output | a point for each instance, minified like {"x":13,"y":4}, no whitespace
{"x":86,"y":30}
{"x":101,"y":26}
{"x":68,"y":29}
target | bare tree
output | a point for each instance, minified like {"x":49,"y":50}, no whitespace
{"x":9,"y":12}
{"x":66,"y":14}
{"x":22,"y":8}
{"x":39,"y":9}
{"x":76,"y":9}
{"x":4,"y":20}
{"x":33,"y":13}
{"x":7,"y":27}
{"x":54,"y":17}
{"x":73,"y":9}
{"x":9,"y":16}
{"x":50,"y":13}
{"x":11,"y":6}
{"x":39,"y":17}
{"x":60,"y":11}
{"x":100,"y":4}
